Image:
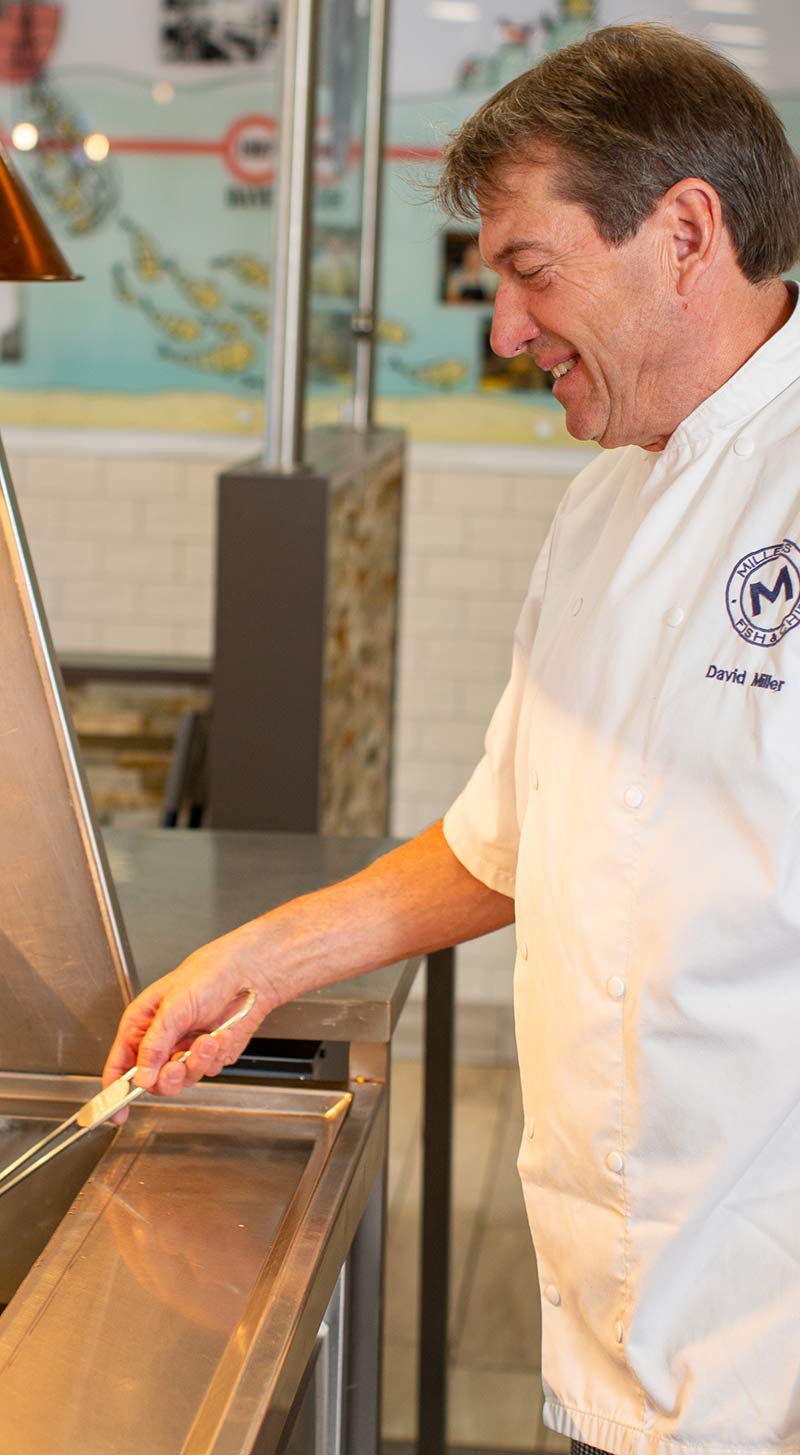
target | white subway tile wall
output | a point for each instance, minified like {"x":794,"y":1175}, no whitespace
{"x":124,"y":551}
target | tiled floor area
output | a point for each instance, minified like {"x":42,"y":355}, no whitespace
{"x":495,"y":1396}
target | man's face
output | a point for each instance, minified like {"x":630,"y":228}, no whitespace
{"x":566,"y":297}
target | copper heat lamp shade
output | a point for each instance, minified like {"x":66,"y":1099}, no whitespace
{"x":28,"y":251}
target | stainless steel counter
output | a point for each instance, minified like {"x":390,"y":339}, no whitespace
{"x":179,"y":888}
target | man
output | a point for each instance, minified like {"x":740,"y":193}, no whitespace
{"x":638,"y":806}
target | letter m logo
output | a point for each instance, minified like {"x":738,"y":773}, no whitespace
{"x":759,"y":591}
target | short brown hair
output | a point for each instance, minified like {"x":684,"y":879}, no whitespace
{"x":631,"y":110}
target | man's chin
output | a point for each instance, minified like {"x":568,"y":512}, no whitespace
{"x":585,"y":429}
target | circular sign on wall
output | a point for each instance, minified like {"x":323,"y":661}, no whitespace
{"x":248,"y":149}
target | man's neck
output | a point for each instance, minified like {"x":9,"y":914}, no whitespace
{"x":730,"y":336}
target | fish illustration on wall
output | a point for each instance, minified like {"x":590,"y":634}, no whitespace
{"x":214,"y":320}
{"x":147,"y":258}
{"x":391,"y":331}
{"x":246,"y":268}
{"x":228,"y":358}
{"x":82,"y":193}
{"x":183,"y":328}
{"x":202,"y":292}
{"x":258,"y":318}
{"x":438,"y":374}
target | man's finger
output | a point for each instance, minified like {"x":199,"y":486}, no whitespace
{"x":201,"y":1061}
{"x":172,"y":1020}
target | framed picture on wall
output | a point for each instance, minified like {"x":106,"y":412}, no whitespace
{"x":464,"y":276}
{"x":217,"y":31}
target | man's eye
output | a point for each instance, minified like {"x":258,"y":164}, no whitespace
{"x":532,"y":274}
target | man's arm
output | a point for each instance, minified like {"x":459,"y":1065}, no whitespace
{"x":416,"y":899}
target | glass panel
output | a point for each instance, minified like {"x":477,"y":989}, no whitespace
{"x":172,"y":225}
{"x":148,"y":136}
{"x":336,"y":209}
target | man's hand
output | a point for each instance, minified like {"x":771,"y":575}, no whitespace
{"x":172,"y":1014}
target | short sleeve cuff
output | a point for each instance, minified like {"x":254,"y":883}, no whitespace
{"x":489,"y":862}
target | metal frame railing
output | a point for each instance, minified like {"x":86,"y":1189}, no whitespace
{"x":283,"y":446}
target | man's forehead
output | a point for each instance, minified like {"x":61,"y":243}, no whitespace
{"x":514,"y":215}
{"x":525,"y":214}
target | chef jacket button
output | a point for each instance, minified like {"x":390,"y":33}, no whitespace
{"x":616,"y":987}
{"x":552,"y":1295}
{"x":675,"y":616}
{"x":530,"y":1128}
{"x":743,"y":446}
{"x":523,"y":949}
{"x":619,"y":1332}
{"x":576,"y":605}
{"x":634,"y":796}
{"x":615,"y":1162}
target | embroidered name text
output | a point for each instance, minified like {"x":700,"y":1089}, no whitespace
{"x":727,"y":676}
{"x":763,"y":679}
{"x":738,"y":675}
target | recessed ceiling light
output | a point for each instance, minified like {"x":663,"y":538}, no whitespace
{"x":749,"y":60}
{"x":752,"y":35}
{"x":724,"y":7}
{"x":463,"y":10}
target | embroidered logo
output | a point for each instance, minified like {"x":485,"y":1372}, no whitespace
{"x":763,"y":594}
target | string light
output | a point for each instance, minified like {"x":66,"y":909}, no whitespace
{"x":97,"y":146}
{"x":25,"y":136}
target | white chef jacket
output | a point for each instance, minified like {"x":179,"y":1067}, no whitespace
{"x":640,"y":798}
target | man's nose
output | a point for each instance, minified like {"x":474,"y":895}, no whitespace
{"x":512,"y":326}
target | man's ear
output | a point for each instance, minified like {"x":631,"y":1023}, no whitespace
{"x":691,"y":216}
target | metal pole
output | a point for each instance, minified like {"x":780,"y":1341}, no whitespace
{"x":374,"y":126}
{"x":437,"y":1148}
{"x":286,"y":384}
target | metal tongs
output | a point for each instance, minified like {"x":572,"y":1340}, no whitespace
{"x":93,"y":1113}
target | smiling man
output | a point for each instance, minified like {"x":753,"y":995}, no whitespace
{"x":618,"y":325}
{"x":618,"y":263}
{"x":637,"y":809}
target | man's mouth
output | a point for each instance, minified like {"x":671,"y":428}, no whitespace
{"x":559,"y":370}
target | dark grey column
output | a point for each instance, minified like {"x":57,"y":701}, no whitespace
{"x":267,"y":686}
{"x":306,"y":617}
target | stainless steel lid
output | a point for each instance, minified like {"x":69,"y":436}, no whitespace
{"x":64,"y":964}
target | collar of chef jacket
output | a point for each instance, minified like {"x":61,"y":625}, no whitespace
{"x":640,"y":797}
{"x":772,"y":368}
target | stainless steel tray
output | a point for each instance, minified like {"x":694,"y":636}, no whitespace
{"x":175,"y":1307}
